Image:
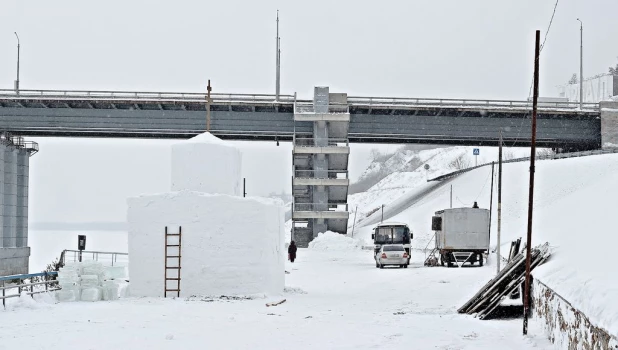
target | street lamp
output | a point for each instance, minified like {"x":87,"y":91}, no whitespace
{"x":581,"y":63}
{"x":17,"y":81}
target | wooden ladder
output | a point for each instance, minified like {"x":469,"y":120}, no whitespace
{"x":172,"y":270}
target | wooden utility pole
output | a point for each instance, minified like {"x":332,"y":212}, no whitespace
{"x":208,"y":102}
{"x":498,"y":257}
{"x":531,"y":193}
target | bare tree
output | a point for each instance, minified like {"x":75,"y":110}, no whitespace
{"x":507,"y":155}
{"x":573,"y":79}
{"x":459,"y":163}
{"x":544,"y":152}
{"x":614,"y":71}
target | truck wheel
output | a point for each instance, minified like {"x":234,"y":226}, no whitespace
{"x":381,"y":266}
{"x":441,"y":259}
{"x":405,"y":266}
{"x":481,"y":259}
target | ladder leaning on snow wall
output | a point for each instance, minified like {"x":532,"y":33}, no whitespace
{"x":565,"y":326}
{"x":524,"y":159}
{"x":17,"y":282}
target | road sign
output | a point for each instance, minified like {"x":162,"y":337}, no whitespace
{"x":476,"y":151}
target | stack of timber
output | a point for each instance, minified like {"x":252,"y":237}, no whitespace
{"x":505,"y":283}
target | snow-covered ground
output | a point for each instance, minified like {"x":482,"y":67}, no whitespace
{"x":574,"y":210}
{"x":335,"y":299}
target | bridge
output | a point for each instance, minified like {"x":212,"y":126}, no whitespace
{"x":262,"y":117}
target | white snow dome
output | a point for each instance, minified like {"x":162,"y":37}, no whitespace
{"x":206,"y":164}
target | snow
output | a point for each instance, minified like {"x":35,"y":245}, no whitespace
{"x":206,"y":164}
{"x":334,"y":300}
{"x":573,"y":210}
{"x":334,"y":241}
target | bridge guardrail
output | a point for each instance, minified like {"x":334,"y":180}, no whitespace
{"x":309,"y":108}
{"x":142,"y":95}
{"x":448,"y":102}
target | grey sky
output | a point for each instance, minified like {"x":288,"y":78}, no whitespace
{"x":448,"y":49}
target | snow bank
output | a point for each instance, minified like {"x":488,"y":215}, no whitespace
{"x":334,"y":241}
{"x":206,"y":164}
{"x":230,"y":245}
{"x":574,"y":210}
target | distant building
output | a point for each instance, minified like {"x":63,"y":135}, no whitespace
{"x":600,"y":88}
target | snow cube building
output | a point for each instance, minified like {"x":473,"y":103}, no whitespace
{"x":229,"y":245}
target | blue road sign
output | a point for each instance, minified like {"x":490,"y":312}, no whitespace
{"x":476,"y":151}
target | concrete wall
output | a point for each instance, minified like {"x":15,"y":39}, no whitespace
{"x":609,"y":124}
{"x":14,"y":261}
{"x":595,"y":89}
{"x":565,"y":326}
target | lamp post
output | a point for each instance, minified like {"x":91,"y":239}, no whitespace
{"x":581,"y":63}
{"x":17,"y":81}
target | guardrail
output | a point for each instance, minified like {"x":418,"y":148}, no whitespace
{"x":309,"y":141}
{"x":320,"y":207}
{"x":523,"y":159}
{"x":109,"y":257}
{"x":321,"y":174}
{"x":141,"y":95}
{"x":448,"y":102}
{"x":309,"y":108}
{"x":20,"y":286}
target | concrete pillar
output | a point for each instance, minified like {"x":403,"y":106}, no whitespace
{"x":2,"y":150}
{"x":10,"y":197}
{"x":21,"y":224}
{"x":609,"y":124}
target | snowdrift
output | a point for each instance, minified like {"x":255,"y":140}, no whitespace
{"x":573,"y":210}
{"x":334,"y":241}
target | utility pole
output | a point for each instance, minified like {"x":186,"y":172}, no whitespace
{"x":278,"y":62}
{"x":581,"y":63}
{"x":498,"y":257}
{"x":244,"y":192}
{"x":491,"y":196}
{"x":531,"y":194}
{"x":382,"y":213}
{"x":208,"y":102}
{"x":451,"y":196}
{"x":354,"y":224}
{"x":18,"y":49}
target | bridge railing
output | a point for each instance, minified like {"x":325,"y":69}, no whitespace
{"x":140,"y":95}
{"x":320,"y":207}
{"x":110,"y":258}
{"x":448,"y":102}
{"x":321,"y":174}
{"x":309,"y":141}
{"x":308,"y":108}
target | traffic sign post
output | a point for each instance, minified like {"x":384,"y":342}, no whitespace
{"x":476,"y":152}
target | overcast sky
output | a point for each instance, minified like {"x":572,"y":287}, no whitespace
{"x":469,"y":49}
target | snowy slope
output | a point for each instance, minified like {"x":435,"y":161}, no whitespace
{"x":408,"y":178}
{"x":574,"y":210}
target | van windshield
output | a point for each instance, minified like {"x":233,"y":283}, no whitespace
{"x":393,"y":235}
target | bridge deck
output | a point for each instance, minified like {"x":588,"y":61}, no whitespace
{"x":260,"y":117}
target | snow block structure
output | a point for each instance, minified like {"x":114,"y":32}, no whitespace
{"x":206,"y":164}
{"x":229,"y":245}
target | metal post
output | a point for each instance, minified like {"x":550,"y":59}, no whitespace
{"x":208,"y":89}
{"x":531,"y":194}
{"x":18,"y":49}
{"x":491,"y":196}
{"x":382,"y":213}
{"x":244,"y":192}
{"x":354,"y":224}
{"x":3,"y":295}
{"x":451,"y":196}
{"x":277,"y":61}
{"x":498,"y":256}
{"x":581,"y":63}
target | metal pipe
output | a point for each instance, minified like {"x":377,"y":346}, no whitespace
{"x":277,"y":61}
{"x":581,"y":63}
{"x":18,"y":49}
{"x":498,"y":257}
{"x":531,"y":194}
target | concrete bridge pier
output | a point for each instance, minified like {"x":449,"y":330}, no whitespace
{"x":14,"y":175}
{"x":609,"y":124}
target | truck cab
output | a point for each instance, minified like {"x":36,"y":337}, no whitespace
{"x":391,"y":233}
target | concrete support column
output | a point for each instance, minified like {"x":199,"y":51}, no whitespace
{"x":609,"y":124}
{"x":21,"y":217}
{"x":2,"y":150}
{"x":10,"y":198}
